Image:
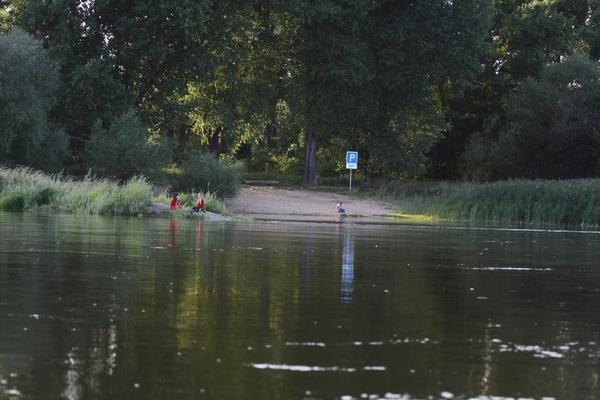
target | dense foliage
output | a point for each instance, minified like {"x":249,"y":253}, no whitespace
{"x":528,"y":42}
{"x":551,"y":128}
{"x":202,"y":172}
{"x":28,"y":86}
{"x":443,"y":89}
{"x":123,"y":151}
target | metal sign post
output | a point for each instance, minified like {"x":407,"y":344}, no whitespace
{"x":351,"y":163}
{"x":350,"y":184}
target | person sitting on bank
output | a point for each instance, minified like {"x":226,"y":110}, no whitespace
{"x":200,"y":206}
{"x":175,"y":202}
{"x":340,"y":208}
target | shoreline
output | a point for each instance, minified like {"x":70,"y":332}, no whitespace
{"x":569,"y":203}
{"x":160,"y":209}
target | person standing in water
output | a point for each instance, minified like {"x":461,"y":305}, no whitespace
{"x":340,"y":208}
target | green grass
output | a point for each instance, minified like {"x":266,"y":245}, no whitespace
{"x":211,"y":201}
{"x":565,"y":202}
{"x":23,"y":188}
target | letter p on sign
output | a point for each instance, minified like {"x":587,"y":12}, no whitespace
{"x":351,"y":159}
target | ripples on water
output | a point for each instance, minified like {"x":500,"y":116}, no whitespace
{"x":94,"y":307}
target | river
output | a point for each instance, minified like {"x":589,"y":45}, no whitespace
{"x":153,"y":308}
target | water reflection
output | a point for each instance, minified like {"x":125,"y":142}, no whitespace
{"x":486,"y":360}
{"x":347,"y":277}
{"x":309,"y":262}
{"x":85,"y":367}
{"x":152,"y":308}
{"x":173,"y":233}
{"x":199,"y":235}
{"x":73,"y":387}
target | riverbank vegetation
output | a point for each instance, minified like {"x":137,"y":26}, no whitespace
{"x":523,"y":202}
{"x":203,"y":172}
{"x":22,"y":189}
{"x":476,"y":91}
{"x":212,"y":202}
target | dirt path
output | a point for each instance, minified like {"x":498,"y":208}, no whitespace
{"x":256,"y":201}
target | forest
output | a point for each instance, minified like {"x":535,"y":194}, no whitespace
{"x":466,"y":90}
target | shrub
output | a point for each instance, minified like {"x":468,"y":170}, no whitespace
{"x":123,"y":150}
{"x":202,"y":172}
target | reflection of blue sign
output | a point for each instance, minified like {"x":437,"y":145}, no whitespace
{"x":347,"y":284}
{"x":351,"y":159}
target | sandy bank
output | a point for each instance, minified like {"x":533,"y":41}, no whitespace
{"x":275,"y":203}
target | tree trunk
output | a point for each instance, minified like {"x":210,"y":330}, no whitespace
{"x":215,"y":142}
{"x":310,"y":163}
{"x":270,"y":134}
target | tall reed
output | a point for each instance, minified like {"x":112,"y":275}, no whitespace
{"x":559,"y":202}
{"x":23,"y":188}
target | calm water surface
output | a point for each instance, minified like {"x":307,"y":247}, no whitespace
{"x":150,"y":308}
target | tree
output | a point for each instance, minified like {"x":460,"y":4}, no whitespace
{"x":6,"y":18}
{"x":328,"y":73}
{"x":28,"y":86}
{"x":118,"y":54}
{"x":416,"y":49}
{"x":229,"y":109}
{"x":550,"y":130}
{"x":217,"y":75}
{"x":585,"y":17}
{"x":525,"y":35}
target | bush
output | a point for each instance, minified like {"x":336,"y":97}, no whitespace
{"x":202,"y":172}
{"x":123,"y":150}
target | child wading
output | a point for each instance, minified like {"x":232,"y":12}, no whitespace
{"x":200,"y":206}
{"x":340,"y":207}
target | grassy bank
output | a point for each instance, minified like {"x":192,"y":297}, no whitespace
{"x":567,"y":202}
{"x":23,"y":188}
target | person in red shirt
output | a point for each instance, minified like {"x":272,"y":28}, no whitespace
{"x":200,"y":207}
{"x":175,"y":203}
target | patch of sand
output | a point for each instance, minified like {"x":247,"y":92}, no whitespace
{"x":253,"y":200}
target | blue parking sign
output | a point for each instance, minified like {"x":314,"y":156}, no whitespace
{"x":351,"y":159}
